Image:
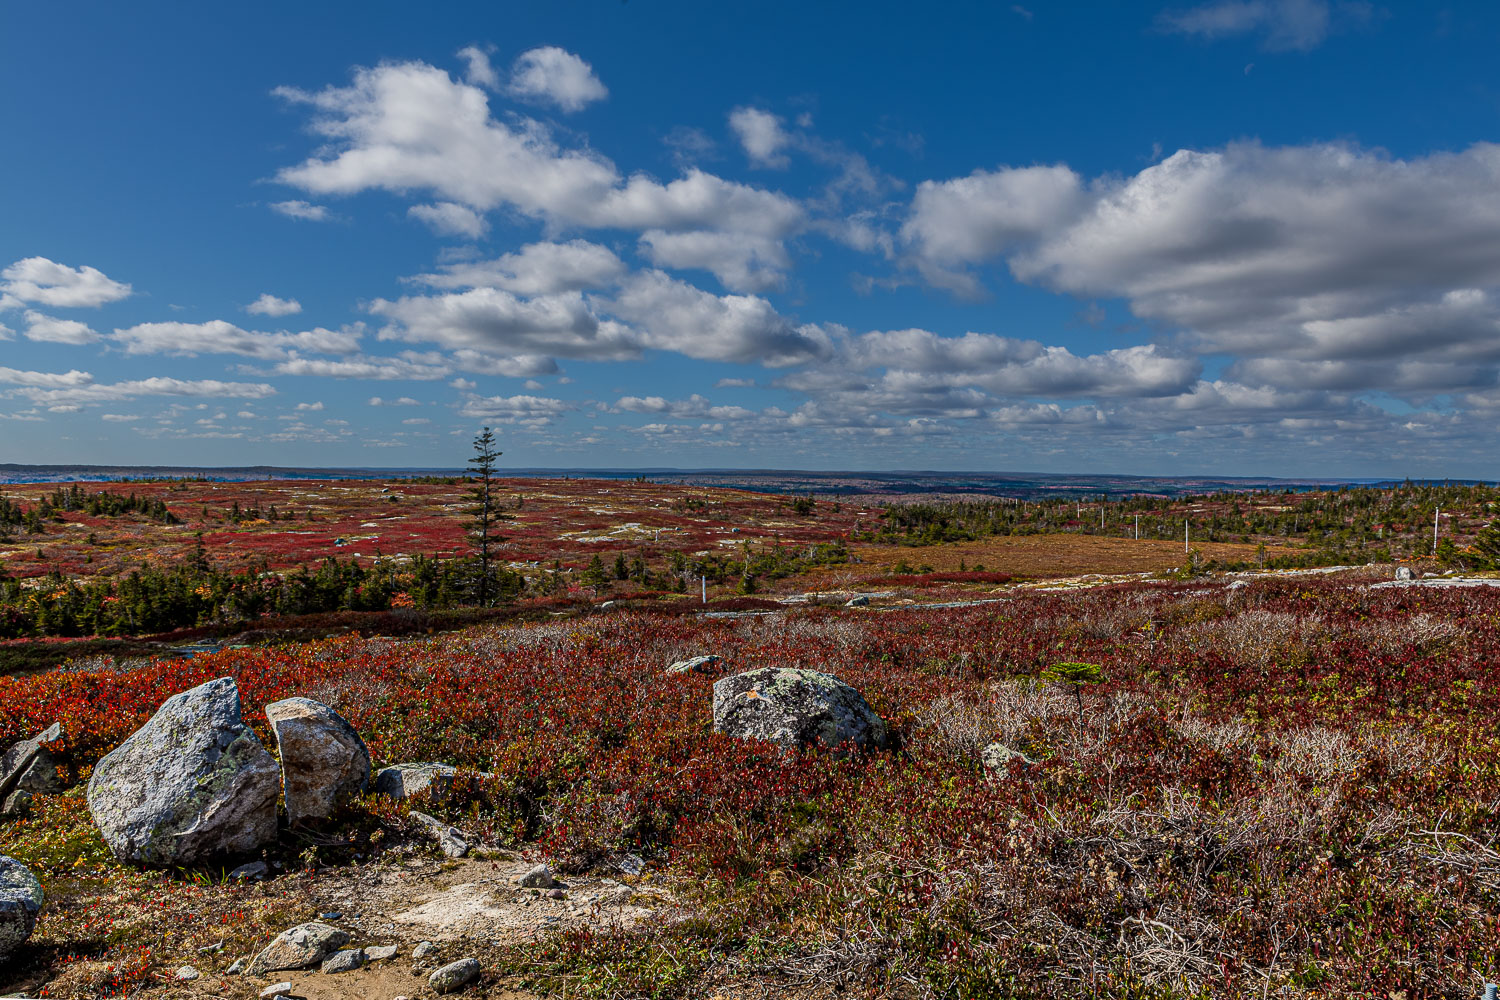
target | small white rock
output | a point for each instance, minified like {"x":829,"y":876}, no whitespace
{"x":539,"y":877}
{"x":185,"y":973}
{"x":276,"y":988}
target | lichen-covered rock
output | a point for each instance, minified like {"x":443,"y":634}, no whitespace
{"x":454,"y":976}
{"x":996,"y":758}
{"x":796,"y":708}
{"x":695,"y":664}
{"x":400,"y":781}
{"x":297,"y":948}
{"x":324,"y":763}
{"x":20,"y":899}
{"x":194,"y":782}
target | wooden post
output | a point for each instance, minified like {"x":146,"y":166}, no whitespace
{"x":1435,"y":511}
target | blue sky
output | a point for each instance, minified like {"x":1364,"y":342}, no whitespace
{"x":1249,"y":237}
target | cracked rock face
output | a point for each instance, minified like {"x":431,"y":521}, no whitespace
{"x":324,"y":763}
{"x":193,"y":783}
{"x":20,"y":899}
{"x":796,"y":708}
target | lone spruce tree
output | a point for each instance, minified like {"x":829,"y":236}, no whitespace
{"x":485,"y":511}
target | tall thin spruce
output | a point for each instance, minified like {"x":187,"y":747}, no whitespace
{"x":482,"y":468}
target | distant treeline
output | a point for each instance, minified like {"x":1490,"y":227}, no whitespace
{"x":159,"y":599}
{"x":1352,"y":524}
{"x":73,"y":498}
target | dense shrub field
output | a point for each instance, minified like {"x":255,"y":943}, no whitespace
{"x":1282,"y":788}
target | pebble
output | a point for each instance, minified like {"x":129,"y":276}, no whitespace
{"x":455,"y":975}
{"x":209,"y":948}
{"x":186,"y":972}
{"x":276,"y":989}
{"x":556,"y":894}
{"x":380,"y":952}
{"x":235,"y":968}
{"x":330,"y":915}
{"x":423,"y":949}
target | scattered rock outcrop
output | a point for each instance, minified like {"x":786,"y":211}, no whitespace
{"x":192,"y":783}
{"x":298,"y":948}
{"x":20,"y":900}
{"x":695,"y":664}
{"x":401,"y":781}
{"x":796,"y":708}
{"x":324,"y":763}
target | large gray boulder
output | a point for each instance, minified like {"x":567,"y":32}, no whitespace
{"x":193,"y":783}
{"x":297,"y":948}
{"x":324,"y":763}
{"x":20,"y":899}
{"x":796,"y":708}
{"x":401,"y":781}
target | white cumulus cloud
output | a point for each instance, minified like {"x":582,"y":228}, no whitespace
{"x":270,"y":305}
{"x":555,"y":76}
{"x":45,"y":282}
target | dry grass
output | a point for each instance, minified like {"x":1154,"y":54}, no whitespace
{"x":1053,"y":556}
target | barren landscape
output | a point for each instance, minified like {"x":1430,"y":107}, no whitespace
{"x":1268,"y":782}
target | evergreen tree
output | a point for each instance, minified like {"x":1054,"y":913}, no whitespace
{"x":486,"y":514}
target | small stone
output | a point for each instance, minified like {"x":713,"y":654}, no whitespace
{"x":346,"y":960}
{"x":695,"y":664}
{"x":631,"y":864}
{"x":276,"y":989}
{"x":455,"y":975}
{"x":450,"y":839}
{"x":996,"y":758}
{"x":858,"y":601}
{"x":298,"y":948}
{"x":209,"y":949}
{"x":423,"y":949}
{"x":556,"y":894}
{"x":255,"y":870}
{"x":539,"y":877}
{"x":330,"y":915}
{"x":400,"y":781}
{"x":235,"y":967}
{"x":187,"y":972}
{"x":380,"y":952}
